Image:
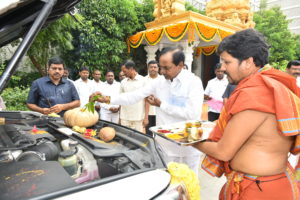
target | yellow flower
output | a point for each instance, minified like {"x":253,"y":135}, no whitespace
{"x":78,"y":129}
{"x":181,"y":173}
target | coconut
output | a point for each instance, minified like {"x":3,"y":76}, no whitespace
{"x":107,"y":134}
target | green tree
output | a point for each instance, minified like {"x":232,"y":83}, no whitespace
{"x":297,"y":38}
{"x":274,"y":25}
{"x":190,"y":7}
{"x":15,"y":98}
{"x":104,"y":31}
{"x":53,"y":40}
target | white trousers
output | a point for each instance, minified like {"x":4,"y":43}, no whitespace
{"x":136,"y":125}
{"x":182,"y":154}
{"x":111,"y":117}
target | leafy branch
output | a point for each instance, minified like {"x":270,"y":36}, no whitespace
{"x":90,"y":106}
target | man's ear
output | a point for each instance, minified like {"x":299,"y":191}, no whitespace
{"x":249,"y":62}
{"x":181,"y":64}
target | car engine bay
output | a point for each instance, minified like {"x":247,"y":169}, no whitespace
{"x":48,"y":156}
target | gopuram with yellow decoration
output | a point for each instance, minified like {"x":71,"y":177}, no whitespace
{"x":196,"y":34}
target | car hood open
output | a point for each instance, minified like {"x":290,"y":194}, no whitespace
{"x":17,"y":16}
{"x":24,"y":19}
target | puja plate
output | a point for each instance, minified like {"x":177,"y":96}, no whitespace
{"x":176,"y":132}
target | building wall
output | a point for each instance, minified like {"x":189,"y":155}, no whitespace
{"x":291,"y":8}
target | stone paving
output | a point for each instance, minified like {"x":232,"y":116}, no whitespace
{"x":210,"y":186}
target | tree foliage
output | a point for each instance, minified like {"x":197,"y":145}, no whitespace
{"x":104,"y":31}
{"x":15,"y":98}
{"x":190,"y":7}
{"x":53,"y":40}
{"x":297,"y":38}
{"x":274,"y":25}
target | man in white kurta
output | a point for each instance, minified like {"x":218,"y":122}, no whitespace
{"x":214,"y":93}
{"x":178,"y":95}
{"x":97,"y":78}
{"x":84,"y":86}
{"x":150,"y":111}
{"x":132,"y":115}
{"x":110,"y":87}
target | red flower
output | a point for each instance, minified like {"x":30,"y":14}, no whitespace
{"x":89,"y":133}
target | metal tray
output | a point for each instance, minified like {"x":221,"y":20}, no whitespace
{"x":176,"y":128}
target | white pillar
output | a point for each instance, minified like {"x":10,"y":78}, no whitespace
{"x":151,"y":50}
{"x":188,"y":51}
{"x":198,"y":70}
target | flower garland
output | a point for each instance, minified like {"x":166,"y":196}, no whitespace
{"x":209,"y":50}
{"x":181,"y":173}
{"x":176,"y":32}
{"x":223,"y":34}
{"x":154,"y":36}
{"x":191,"y":33}
{"x":136,"y":40}
{"x":206,"y":33}
{"x":197,"y":51}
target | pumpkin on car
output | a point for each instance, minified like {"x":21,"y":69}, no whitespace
{"x":80,"y":117}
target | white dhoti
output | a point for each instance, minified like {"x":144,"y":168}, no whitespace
{"x":111,"y":117}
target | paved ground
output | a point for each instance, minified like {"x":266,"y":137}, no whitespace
{"x":210,"y":186}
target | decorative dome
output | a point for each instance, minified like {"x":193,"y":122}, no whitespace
{"x":235,"y":12}
{"x":165,"y":8}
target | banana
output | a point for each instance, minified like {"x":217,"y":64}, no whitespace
{"x":53,"y":115}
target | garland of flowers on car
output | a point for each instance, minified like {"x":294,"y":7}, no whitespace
{"x":181,"y":173}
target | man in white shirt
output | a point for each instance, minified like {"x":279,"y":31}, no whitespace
{"x":293,"y":68}
{"x":132,"y":115}
{"x":150,"y":113}
{"x":110,"y":87}
{"x":96,"y":78}
{"x":214,"y":93}
{"x":97,"y":83}
{"x":178,"y":96}
{"x":84,"y":86}
{"x":121,"y":76}
{"x":66,"y":74}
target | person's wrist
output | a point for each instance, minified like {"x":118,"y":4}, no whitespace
{"x":108,"y":99}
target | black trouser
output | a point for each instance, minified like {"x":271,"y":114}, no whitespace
{"x":212,"y":116}
{"x":152,"y":122}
